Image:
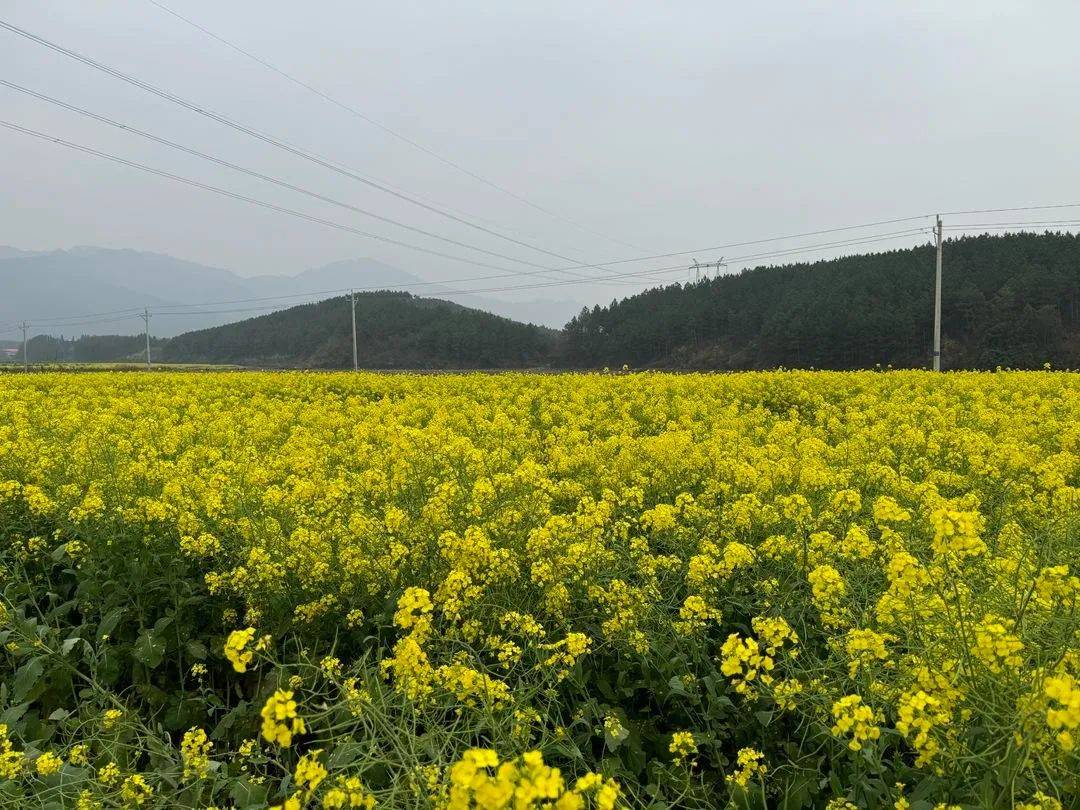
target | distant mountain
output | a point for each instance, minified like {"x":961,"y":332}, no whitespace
{"x":8,"y":252}
{"x":86,"y":281}
{"x":1011,"y":300}
{"x":335,"y":277}
{"x":82,"y":282}
{"x":394,"y":330}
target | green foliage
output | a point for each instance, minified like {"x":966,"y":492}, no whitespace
{"x":91,"y":349}
{"x":1010,"y":301}
{"x":394,"y":330}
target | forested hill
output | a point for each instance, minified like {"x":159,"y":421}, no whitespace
{"x":394,"y":330}
{"x":1010,"y":300}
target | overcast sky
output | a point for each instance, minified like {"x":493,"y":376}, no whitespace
{"x":663,"y":126}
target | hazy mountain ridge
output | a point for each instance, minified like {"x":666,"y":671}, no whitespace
{"x":82,"y":281}
{"x":1010,"y":300}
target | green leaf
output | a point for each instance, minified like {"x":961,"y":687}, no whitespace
{"x":245,"y":793}
{"x":13,"y":714}
{"x":26,"y":679}
{"x":676,"y":686}
{"x":149,"y":650}
{"x":613,"y":741}
{"x":162,"y":624}
{"x":238,"y":712}
{"x":344,"y":755}
{"x":108,"y":624}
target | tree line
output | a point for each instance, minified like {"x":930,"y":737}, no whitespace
{"x":394,"y":330}
{"x":1011,"y":301}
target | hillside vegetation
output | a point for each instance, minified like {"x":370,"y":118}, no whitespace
{"x":92,"y":348}
{"x":1011,"y":301}
{"x":394,"y":330}
{"x":1007,"y":300}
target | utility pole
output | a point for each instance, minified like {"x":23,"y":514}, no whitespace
{"x":25,"y":346}
{"x":146,"y":320}
{"x":937,"y":299}
{"x":352,"y":305}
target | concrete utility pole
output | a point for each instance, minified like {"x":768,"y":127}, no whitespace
{"x":146,"y":320}
{"x":352,"y":304}
{"x":25,"y":346}
{"x":937,"y":299}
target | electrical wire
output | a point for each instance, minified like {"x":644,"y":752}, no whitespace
{"x":312,"y":157}
{"x":507,"y":272}
{"x":241,"y":197}
{"x":639,"y":274}
{"x":325,"y":162}
{"x":254,"y":133}
{"x":714,"y":248}
{"x":268,"y":178}
{"x":368,"y":119}
{"x":259,"y":175}
{"x":1006,"y":210}
{"x":133,"y":311}
{"x":77,"y":320}
{"x":642,"y":274}
{"x":175,"y":309}
{"x":984,"y":225}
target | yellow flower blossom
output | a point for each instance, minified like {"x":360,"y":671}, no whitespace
{"x":853,"y":718}
{"x":236,"y":648}
{"x":280,"y":721}
{"x":195,"y":753}
{"x":749,"y":765}
{"x":48,"y":763}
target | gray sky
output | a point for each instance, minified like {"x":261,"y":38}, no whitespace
{"x":669,"y":126}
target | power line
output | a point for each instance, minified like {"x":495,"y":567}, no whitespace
{"x":254,"y":133}
{"x":166,"y":309}
{"x":368,"y":119}
{"x":508,"y":273}
{"x":234,"y":195}
{"x":632,"y":274}
{"x":1006,"y":210}
{"x":131,"y":310}
{"x":337,"y":168}
{"x":80,"y":322}
{"x":382,"y":180}
{"x":641,"y":275}
{"x":276,"y":181}
{"x":728,"y":245}
{"x":983,"y":225}
{"x":167,"y":175}
{"x":259,"y":175}
{"x":823,"y":232}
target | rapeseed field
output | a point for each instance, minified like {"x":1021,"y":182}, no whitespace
{"x":782,"y":589}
